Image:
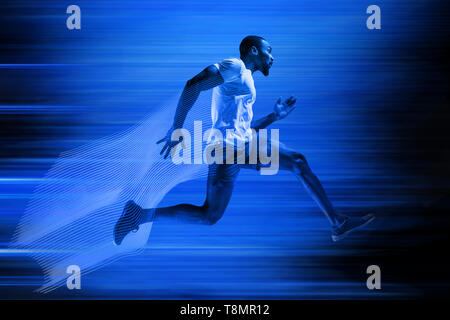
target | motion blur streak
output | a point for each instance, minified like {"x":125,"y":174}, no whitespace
{"x":77,"y":204}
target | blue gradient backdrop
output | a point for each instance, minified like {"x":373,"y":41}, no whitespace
{"x":361,"y":96}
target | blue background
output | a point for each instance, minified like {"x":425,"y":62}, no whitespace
{"x":371,"y":118}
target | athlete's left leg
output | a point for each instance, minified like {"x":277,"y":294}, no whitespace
{"x":296,"y":163}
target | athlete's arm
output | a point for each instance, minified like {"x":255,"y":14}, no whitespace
{"x":209,"y":78}
{"x":264,"y":121}
{"x":280,"y":111}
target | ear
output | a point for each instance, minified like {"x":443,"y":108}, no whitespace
{"x":254,"y":50}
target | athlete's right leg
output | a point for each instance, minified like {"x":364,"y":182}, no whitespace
{"x":219,"y":189}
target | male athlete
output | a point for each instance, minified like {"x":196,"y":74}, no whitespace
{"x":233,"y":96}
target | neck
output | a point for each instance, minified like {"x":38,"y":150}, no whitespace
{"x":249,"y":64}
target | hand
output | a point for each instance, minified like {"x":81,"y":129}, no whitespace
{"x":282,"y":109}
{"x":169,"y":143}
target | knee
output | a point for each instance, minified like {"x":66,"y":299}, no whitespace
{"x":300,"y":163}
{"x":212,"y":215}
{"x":212,"y":218}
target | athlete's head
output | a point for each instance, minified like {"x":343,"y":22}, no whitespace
{"x":257,"y":51}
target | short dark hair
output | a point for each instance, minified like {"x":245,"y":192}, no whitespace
{"x":248,"y":42}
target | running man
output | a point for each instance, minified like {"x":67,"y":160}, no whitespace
{"x":233,"y":96}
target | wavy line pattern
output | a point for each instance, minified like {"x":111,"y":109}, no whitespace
{"x":71,"y":215}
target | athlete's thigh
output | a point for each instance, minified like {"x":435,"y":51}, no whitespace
{"x":221,"y":178}
{"x":286,"y":156}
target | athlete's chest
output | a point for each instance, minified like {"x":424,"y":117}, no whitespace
{"x":242,"y":89}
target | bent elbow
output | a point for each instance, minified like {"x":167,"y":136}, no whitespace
{"x":191,"y":85}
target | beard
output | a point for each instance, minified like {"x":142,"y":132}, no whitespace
{"x":265,"y":70}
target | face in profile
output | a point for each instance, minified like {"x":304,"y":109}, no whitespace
{"x":264,"y":58}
